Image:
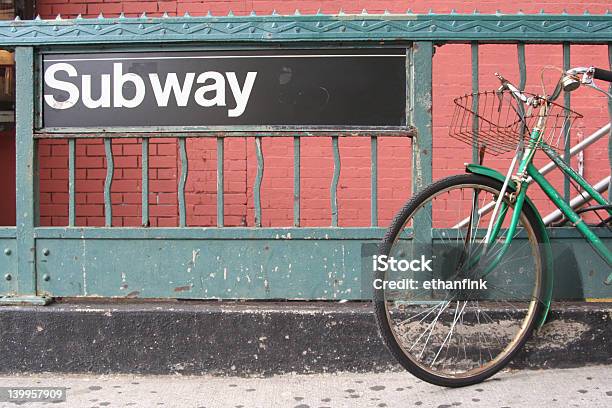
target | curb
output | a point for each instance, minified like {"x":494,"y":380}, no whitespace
{"x":250,"y":338}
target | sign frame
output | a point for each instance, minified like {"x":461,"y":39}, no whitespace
{"x":217,"y":130}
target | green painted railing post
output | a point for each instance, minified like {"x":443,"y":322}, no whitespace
{"x":421,"y":117}
{"x":27,"y":180}
{"x":566,"y":130}
{"x":108,"y":182}
{"x":183,"y":182}
{"x":475,"y":89}
{"x":258,"y":180}
{"x":333,"y":189}
{"x":71,"y":182}
{"x":374,"y":181}
{"x":220,"y":196}
{"x":296,"y":181}
{"x":145,"y":182}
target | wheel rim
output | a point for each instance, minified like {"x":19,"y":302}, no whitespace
{"x":459,"y":333}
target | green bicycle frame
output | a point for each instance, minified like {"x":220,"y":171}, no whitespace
{"x":522,"y":199}
{"x":565,"y":208}
{"x":527,"y":166}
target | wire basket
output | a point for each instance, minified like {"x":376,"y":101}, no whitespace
{"x":495,"y":121}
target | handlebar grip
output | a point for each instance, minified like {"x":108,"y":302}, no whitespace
{"x":602,"y":74}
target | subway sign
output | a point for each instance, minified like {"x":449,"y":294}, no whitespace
{"x":331,"y":88}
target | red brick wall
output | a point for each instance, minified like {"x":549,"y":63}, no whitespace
{"x":7,"y":177}
{"x":451,"y":78}
{"x":49,"y":8}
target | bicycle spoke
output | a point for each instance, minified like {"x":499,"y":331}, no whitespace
{"x":450,"y":332}
{"x":467,"y":328}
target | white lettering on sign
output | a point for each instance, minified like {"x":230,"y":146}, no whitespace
{"x":218,"y":87}
{"x":181,"y":93}
{"x":119,"y":80}
{"x":73,"y":91}
{"x":241,"y":96}
{"x":105,"y":98}
{"x":211,"y":91}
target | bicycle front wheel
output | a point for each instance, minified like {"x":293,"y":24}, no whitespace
{"x":452,"y":305}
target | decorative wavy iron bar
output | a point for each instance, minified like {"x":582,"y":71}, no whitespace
{"x":586,"y":28}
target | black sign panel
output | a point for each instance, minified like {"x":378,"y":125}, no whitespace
{"x":296,"y":88}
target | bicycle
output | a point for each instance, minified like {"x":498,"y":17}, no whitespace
{"x":486,"y":284}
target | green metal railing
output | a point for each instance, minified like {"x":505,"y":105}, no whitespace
{"x":220,"y":262}
{"x":72,"y":140}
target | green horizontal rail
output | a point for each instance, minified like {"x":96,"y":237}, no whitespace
{"x":257,"y":264}
{"x":217,"y":132}
{"x":238,"y":233}
{"x":234,"y":233}
{"x":8,"y":232}
{"x":541,"y":27}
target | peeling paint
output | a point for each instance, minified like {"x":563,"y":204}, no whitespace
{"x":194,"y":257}
{"x":84,"y":266}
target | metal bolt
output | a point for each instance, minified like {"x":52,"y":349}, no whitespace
{"x":46,"y":277}
{"x":46,"y":251}
{"x":7,"y":251}
{"x":8,"y":277}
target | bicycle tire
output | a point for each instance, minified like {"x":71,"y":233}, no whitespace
{"x":382,"y":319}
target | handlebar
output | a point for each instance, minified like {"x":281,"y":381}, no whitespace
{"x":602,"y":74}
{"x":569,"y":81}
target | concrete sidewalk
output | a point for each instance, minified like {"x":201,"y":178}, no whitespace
{"x":577,"y":387}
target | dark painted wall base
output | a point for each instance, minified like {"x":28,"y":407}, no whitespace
{"x":248,"y":338}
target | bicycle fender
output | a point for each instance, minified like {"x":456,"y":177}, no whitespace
{"x":548,"y":257}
